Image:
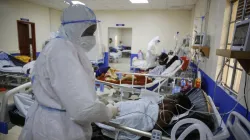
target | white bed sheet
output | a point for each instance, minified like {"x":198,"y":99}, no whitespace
{"x":15,"y":69}
{"x":12,"y":69}
{"x":143,"y":117}
{"x":115,"y":55}
{"x":174,"y":68}
{"x":23,"y":101}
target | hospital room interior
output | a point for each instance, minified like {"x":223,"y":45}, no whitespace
{"x":124,"y":69}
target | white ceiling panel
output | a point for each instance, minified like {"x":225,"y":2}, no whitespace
{"x":159,"y":4}
{"x":121,"y":4}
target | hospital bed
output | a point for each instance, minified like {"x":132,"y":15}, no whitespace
{"x":97,"y":62}
{"x":205,"y":132}
{"x":5,"y":123}
{"x":159,"y":80}
{"x":114,"y":54}
{"x":201,"y":104}
{"x":12,"y":71}
{"x":126,"y":51}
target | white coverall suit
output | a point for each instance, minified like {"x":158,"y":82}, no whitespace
{"x":64,"y":85}
{"x":151,"y":52}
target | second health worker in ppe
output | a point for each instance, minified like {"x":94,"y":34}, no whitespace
{"x":64,"y":85}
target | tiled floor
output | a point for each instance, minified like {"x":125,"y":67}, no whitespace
{"x":122,"y":65}
{"x":13,"y":134}
{"x":15,"y":131}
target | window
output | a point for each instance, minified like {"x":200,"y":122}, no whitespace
{"x":232,"y":71}
{"x":243,"y":10}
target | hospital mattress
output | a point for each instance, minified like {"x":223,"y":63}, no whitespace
{"x":150,"y":85}
{"x":12,"y":59}
{"x":157,"y":80}
{"x":15,"y":69}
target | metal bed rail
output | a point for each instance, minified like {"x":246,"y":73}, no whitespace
{"x":150,"y":75}
{"x":13,"y":79}
{"x":4,"y":104}
{"x":133,"y":131}
{"x":163,"y":80}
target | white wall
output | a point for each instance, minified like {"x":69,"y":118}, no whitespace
{"x":146,"y":25}
{"x":217,"y":29}
{"x":215,"y":20}
{"x":127,"y":36}
{"x":13,"y":10}
{"x":55,"y":19}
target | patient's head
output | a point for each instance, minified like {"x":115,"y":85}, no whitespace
{"x":163,"y":59}
{"x":182,"y":100}
{"x":171,"y":102}
{"x":170,"y":108}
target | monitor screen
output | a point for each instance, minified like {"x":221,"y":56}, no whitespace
{"x":240,"y":35}
{"x":198,"y":39}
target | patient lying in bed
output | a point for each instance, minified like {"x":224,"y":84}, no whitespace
{"x":146,"y":114}
{"x":111,"y":76}
{"x":168,"y":108}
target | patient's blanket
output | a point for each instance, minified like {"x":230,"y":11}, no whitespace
{"x":142,"y":64}
{"x":141,"y":115}
{"x":23,"y":101}
{"x":10,"y":64}
{"x":171,"y":68}
{"x":157,"y":70}
{"x":16,"y":62}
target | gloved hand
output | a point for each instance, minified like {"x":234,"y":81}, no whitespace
{"x":103,"y":100}
{"x":114,"y":110}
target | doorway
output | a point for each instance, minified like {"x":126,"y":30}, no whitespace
{"x":27,"y":38}
{"x":120,"y":44}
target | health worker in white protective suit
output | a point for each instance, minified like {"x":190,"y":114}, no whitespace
{"x":151,"y":52}
{"x":64,"y":85}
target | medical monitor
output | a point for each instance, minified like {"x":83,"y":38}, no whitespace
{"x":241,"y":39}
{"x":200,"y":40}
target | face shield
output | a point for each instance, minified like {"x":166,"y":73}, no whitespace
{"x":97,"y":53}
{"x":91,"y":40}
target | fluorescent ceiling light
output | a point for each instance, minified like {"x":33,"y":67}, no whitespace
{"x":75,"y":2}
{"x":139,"y":1}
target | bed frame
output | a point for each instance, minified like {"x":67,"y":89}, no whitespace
{"x":13,"y":79}
{"x":155,"y":86}
{"x":240,"y":127}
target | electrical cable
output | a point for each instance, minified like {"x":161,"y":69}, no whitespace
{"x":245,"y":94}
{"x":204,"y":112}
{"x":164,"y":121}
{"x":220,"y":72}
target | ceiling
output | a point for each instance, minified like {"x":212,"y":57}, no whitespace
{"x":121,"y":4}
